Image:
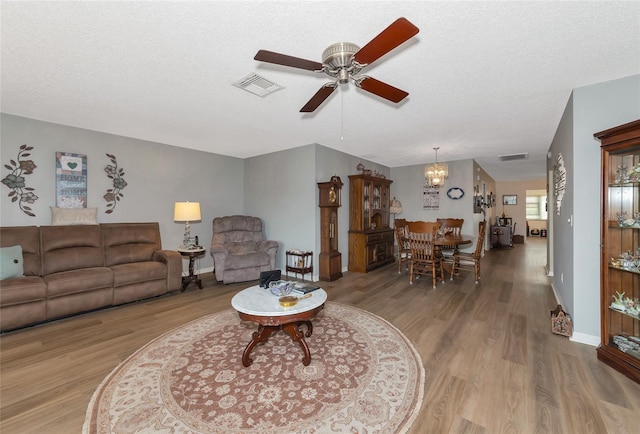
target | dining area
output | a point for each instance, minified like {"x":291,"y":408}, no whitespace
{"x":434,"y":248}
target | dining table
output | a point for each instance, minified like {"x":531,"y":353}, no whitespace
{"x":451,"y":240}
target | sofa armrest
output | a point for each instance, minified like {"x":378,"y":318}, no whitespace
{"x":173,"y":261}
{"x":267,"y":245}
{"x":219,"y":253}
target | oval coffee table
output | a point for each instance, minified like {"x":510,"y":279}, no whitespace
{"x":259,"y":305}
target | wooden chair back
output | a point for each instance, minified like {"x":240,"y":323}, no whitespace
{"x":423,"y":258}
{"x":471,"y":260}
{"x":421,"y":238}
{"x":477,"y":253}
{"x":451,"y":226}
{"x":402,"y":238}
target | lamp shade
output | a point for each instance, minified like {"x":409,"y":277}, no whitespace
{"x":395,"y":207}
{"x":186,"y":211}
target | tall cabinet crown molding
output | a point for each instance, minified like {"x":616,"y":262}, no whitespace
{"x":620,"y":249}
{"x":370,"y":236}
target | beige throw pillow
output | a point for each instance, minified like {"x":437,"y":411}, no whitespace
{"x":74,"y":216}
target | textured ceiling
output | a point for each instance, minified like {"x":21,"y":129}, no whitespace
{"x":484,"y":78}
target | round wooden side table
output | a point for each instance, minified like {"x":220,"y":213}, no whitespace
{"x":192,"y":254}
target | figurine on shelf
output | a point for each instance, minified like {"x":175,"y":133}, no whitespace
{"x":633,"y":175}
{"x":618,"y":301}
{"x":620,"y":175}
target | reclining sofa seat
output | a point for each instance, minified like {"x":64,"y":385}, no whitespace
{"x":239,"y":249}
{"x":79,"y":268}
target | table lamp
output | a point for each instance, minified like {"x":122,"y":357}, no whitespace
{"x":186,"y":212}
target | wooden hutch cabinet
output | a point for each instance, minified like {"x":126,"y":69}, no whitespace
{"x":370,"y":237}
{"x":620,"y":256}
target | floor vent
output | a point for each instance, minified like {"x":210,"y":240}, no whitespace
{"x":512,"y":157}
{"x":257,"y":85}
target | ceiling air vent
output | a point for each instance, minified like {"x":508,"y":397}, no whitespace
{"x":257,"y":85}
{"x":512,"y":157}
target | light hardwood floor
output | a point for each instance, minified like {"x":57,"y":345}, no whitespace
{"x":492,"y":365}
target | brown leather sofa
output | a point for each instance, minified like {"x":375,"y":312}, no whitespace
{"x":74,"y":269}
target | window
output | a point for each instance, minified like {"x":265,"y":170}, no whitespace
{"x":537,"y":207}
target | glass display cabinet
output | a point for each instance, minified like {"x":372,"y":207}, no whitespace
{"x":620,"y":258}
{"x":370,"y":236}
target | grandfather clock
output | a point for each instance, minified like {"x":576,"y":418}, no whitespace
{"x":330,"y":259}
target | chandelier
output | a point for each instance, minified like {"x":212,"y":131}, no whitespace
{"x":435,"y":173}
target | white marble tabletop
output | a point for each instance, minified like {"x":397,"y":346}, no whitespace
{"x":260,"y":301}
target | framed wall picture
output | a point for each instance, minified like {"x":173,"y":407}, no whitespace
{"x":71,"y":180}
{"x":509,"y":199}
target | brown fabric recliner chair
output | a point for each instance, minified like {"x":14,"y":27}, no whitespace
{"x":239,"y":249}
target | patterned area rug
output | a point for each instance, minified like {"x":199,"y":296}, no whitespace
{"x":364,"y":377}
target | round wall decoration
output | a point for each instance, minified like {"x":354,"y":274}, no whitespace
{"x":455,"y":193}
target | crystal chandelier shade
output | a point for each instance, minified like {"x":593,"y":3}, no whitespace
{"x":435,"y":174}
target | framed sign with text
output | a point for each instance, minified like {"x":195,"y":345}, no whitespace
{"x":71,"y":180}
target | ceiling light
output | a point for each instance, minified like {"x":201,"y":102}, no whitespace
{"x":435,"y":174}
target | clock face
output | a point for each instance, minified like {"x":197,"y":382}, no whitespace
{"x":332,"y":195}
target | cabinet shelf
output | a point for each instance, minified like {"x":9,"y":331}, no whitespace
{"x":625,"y":312}
{"x":627,"y":270}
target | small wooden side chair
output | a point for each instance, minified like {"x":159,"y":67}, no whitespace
{"x":402,"y":238}
{"x":423,"y":253}
{"x":450,"y":226}
{"x":471,"y":260}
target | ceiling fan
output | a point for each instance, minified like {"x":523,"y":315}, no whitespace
{"x":345,"y":60}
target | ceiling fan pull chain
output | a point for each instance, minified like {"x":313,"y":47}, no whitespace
{"x":342,"y":116}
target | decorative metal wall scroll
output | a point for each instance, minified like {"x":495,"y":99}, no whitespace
{"x":114,"y":194}
{"x":19,"y":168}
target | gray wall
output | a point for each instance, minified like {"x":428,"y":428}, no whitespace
{"x":577,"y":248}
{"x":281,"y":187}
{"x":409,"y":180}
{"x":157,"y":177}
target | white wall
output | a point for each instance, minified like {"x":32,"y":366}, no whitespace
{"x":518,"y":212}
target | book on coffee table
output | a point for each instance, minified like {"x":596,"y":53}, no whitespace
{"x":304,"y":287}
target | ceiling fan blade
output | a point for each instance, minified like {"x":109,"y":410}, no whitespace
{"x":381,"y":89}
{"x":283,"y":59}
{"x":398,"y":32}
{"x":317,"y":99}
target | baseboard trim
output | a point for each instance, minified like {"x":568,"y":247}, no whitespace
{"x":583,"y":338}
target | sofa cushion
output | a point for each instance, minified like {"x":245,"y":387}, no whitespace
{"x":74,"y":216}
{"x":28,"y":237}
{"x":241,"y":248}
{"x":137,"y":272}
{"x":255,"y":259}
{"x":130,"y":242}
{"x":67,"y":248}
{"x":22,"y":289}
{"x":81,"y":280}
{"x":11,"y":262}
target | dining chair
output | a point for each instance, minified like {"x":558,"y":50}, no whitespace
{"x":452,"y":227}
{"x":471,"y":260}
{"x":423,"y":253}
{"x":402,"y":238}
